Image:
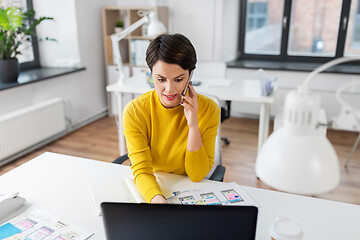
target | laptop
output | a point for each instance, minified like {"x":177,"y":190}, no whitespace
{"x":175,"y":221}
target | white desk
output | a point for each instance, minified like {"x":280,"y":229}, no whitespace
{"x":247,"y":91}
{"x":59,"y":184}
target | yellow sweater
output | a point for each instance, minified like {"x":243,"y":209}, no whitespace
{"x":156,"y":139}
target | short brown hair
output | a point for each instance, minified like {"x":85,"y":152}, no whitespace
{"x":172,"y":49}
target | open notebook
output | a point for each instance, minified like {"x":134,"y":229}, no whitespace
{"x":120,"y":191}
{"x":201,"y":193}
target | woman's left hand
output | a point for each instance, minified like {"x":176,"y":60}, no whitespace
{"x":191,"y":107}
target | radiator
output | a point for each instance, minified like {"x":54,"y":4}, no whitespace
{"x":29,"y":126}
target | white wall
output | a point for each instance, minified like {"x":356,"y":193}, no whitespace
{"x":79,"y":31}
{"x":65,"y":51}
{"x":229,"y":30}
{"x":196,"y":20}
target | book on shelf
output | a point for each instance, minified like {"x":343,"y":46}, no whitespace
{"x":138,"y":51}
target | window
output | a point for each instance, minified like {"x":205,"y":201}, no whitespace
{"x":352,"y":46}
{"x":299,"y":30}
{"x":356,"y":38}
{"x":260,"y":22}
{"x":257,"y":15}
{"x":30,"y":54}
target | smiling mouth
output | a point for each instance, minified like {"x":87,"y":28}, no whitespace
{"x":170,"y":97}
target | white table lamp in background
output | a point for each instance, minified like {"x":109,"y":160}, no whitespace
{"x":155,"y":28}
{"x":296,"y":158}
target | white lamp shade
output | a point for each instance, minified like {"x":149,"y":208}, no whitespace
{"x":297,"y":158}
{"x":155,"y":26}
{"x":298,"y":163}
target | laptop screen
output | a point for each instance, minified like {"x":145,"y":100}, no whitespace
{"x":173,"y":221}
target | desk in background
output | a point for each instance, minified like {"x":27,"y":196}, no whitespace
{"x":59,"y":184}
{"x":246,"y":91}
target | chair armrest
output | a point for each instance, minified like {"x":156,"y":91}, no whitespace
{"x":121,"y":159}
{"x":218,"y":174}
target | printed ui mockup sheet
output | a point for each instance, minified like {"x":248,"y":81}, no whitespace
{"x":41,"y":225}
{"x":224,"y":194}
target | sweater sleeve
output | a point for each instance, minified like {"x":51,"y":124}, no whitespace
{"x":199,"y":163}
{"x":139,"y":153}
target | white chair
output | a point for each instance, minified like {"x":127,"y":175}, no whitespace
{"x":349,"y":117}
{"x":214,"y":69}
{"x":218,"y":170}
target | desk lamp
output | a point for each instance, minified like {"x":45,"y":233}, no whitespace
{"x":297,"y":158}
{"x":155,"y":28}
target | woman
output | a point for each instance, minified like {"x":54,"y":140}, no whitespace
{"x":165,"y":130}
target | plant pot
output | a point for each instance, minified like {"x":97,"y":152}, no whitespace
{"x":118,"y":29}
{"x":9,"y":70}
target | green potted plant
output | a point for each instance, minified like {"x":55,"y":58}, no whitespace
{"x":119,"y":26}
{"x":16,"y":27}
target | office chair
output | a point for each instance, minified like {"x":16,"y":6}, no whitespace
{"x":214,"y":69}
{"x":349,"y":116}
{"x":225,"y":114}
{"x":218,"y":170}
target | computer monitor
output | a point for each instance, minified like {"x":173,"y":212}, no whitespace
{"x":175,"y":221}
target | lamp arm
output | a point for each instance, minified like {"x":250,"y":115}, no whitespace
{"x":116,"y":37}
{"x":326,"y":66}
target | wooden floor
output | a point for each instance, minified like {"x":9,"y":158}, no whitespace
{"x":99,"y":141}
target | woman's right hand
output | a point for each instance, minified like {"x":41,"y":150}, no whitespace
{"x":158,"y":199}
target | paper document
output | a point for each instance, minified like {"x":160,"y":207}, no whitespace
{"x":221,"y":194}
{"x":41,"y":225}
{"x":176,"y":191}
{"x":123,"y":190}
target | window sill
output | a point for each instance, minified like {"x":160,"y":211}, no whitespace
{"x":39,"y":74}
{"x":292,"y":66}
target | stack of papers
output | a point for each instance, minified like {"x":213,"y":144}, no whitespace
{"x":230,"y":194}
{"x":41,"y":225}
{"x":123,"y":190}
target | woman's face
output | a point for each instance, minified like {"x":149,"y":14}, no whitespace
{"x":170,"y":81}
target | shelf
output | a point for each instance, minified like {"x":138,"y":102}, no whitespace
{"x":129,"y":16}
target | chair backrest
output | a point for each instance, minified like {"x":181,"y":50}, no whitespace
{"x":218,"y":152}
{"x":348,"y":118}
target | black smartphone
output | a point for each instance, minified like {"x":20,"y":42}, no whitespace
{"x":186,"y":87}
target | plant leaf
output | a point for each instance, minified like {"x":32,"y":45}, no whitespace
{"x":15,"y":16}
{"x":4,"y":20}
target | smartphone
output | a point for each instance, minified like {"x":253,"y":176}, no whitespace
{"x":210,"y":199}
{"x":232,"y":196}
{"x":186,"y":87}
